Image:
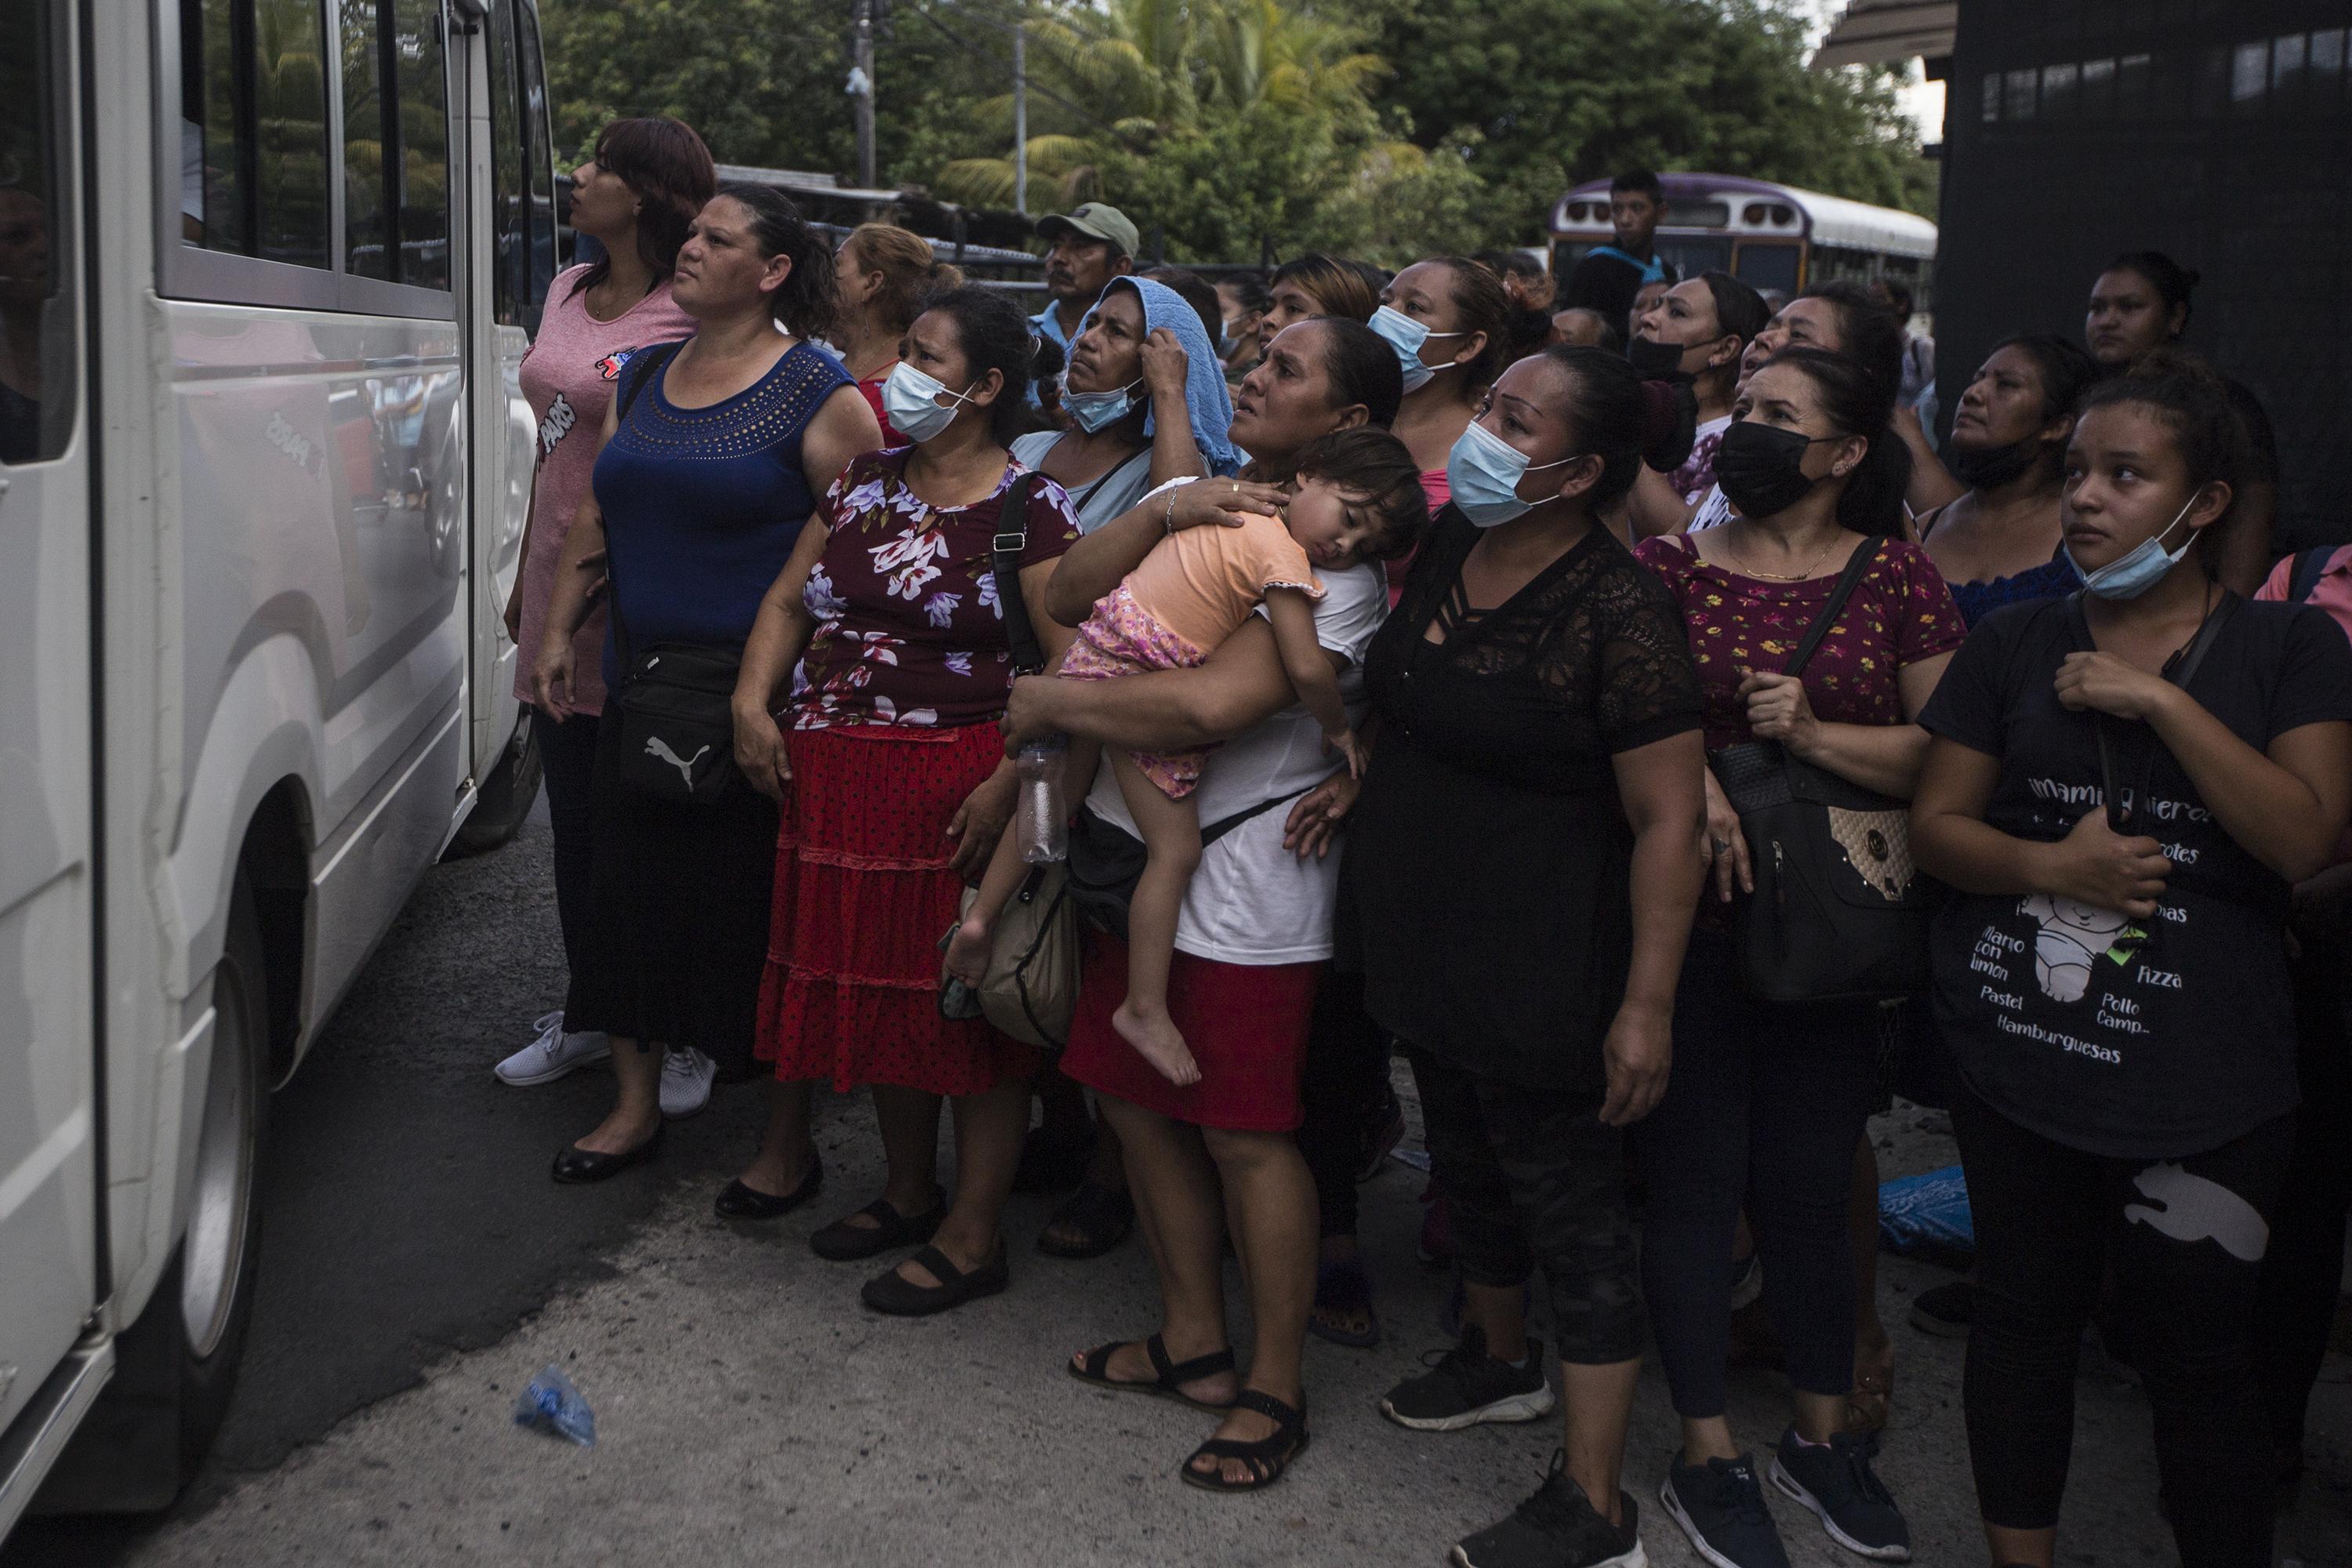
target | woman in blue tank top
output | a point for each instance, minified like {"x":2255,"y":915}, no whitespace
{"x":1997,"y":544}
{"x":714,"y":450}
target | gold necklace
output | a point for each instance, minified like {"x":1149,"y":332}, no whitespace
{"x":1805,"y":575}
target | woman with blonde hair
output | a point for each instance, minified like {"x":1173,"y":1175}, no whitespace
{"x":883,"y":274}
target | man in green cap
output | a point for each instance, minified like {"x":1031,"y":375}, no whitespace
{"x":1084,"y":251}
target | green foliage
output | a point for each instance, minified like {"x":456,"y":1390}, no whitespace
{"x":1382,"y":129}
{"x":1562,"y":90}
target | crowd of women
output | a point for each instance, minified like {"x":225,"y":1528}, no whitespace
{"x":1575,"y":601}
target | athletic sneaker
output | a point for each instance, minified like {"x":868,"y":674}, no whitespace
{"x":686,"y":1082}
{"x":1835,"y":1482}
{"x":554,"y":1054}
{"x":1557,"y":1528}
{"x":1720,"y":1507}
{"x":1747,"y":1282}
{"x":1945,"y":1311}
{"x":1466,"y":1387}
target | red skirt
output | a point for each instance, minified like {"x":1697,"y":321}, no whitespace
{"x":1246,"y":1026}
{"x":862,"y":896}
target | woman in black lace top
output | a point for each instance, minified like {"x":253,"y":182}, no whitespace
{"x":1523,"y":864}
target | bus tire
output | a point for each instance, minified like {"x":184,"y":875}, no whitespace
{"x":175,"y":1366}
{"x":504,"y":798}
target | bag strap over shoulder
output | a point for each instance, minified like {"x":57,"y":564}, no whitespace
{"x":1856,"y":564}
{"x":652,"y":361}
{"x":1012,"y":540}
{"x":2310,"y":566}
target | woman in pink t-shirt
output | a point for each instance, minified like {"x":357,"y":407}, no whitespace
{"x":636,"y":197}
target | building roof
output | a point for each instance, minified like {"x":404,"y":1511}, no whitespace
{"x":802,"y":179}
{"x":1883,"y":32}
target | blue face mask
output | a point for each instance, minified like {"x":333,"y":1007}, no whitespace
{"x":1406,"y":335}
{"x":2129,"y":576}
{"x":1484,"y":471}
{"x":1094,"y":410}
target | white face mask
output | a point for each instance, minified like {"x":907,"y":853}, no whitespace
{"x":911,"y":400}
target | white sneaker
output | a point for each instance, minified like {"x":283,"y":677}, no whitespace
{"x":686,"y":1081}
{"x":553,"y":1053}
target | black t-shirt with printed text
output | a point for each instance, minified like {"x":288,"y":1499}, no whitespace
{"x":2138,"y":1039}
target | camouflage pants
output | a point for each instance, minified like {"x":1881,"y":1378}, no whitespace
{"x":1532,"y":1177}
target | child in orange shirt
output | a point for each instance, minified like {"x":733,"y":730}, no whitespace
{"x":1347,"y":504}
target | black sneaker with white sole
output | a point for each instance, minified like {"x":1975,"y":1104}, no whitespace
{"x":1720,"y":1507}
{"x":1557,"y":1528}
{"x":1835,"y":1482}
{"x":1465,"y":1387}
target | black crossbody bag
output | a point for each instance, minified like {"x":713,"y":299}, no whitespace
{"x":1840,"y":912}
{"x":676,"y":704}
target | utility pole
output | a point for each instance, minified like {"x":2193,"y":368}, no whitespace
{"x":861,"y":89}
{"x":1020,"y":120}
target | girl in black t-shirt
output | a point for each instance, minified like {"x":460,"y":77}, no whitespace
{"x":2121,"y":787}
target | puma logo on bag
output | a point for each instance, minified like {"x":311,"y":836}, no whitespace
{"x":657,"y":747}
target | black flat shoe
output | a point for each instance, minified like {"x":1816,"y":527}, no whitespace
{"x":737,"y":1200}
{"x":894,"y":1294}
{"x":576,"y":1166}
{"x":1100,"y":1217}
{"x":842,"y":1242}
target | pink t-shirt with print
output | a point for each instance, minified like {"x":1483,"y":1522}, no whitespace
{"x":567,"y":378}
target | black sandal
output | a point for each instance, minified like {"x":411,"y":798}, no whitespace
{"x":1169,"y":1376}
{"x":1103,"y":1217}
{"x":740,"y":1200}
{"x":1268,"y":1457}
{"x":902,"y":1297}
{"x":845,"y":1242}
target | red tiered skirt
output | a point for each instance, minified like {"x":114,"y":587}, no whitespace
{"x":862,"y":896}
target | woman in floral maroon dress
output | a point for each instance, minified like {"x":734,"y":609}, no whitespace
{"x":895,"y":785}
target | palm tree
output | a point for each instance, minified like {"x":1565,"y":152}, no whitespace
{"x":1137,"y":70}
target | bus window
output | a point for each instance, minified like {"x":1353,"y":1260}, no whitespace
{"x":395,"y":142}
{"x":252,"y":108}
{"x":509,"y":253}
{"x":544,"y":262}
{"x":367,"y":233}
{"x":1767,"y":264}
{"x":37,"y":384}
{"x":422,"y":181}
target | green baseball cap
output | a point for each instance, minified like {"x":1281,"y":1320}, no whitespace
{"x":1095,"y":220}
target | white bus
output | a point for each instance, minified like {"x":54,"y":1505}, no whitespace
{"x":267,"y":270}
{"x":1769,"y":236}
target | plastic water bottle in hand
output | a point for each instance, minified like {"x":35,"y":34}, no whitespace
{"x":1042,"y":818}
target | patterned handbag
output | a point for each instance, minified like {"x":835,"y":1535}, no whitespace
{"x":1840,"y":912}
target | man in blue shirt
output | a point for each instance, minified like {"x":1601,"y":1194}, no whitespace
{"x":1607,"y":280}
{"x":1084,"y":251}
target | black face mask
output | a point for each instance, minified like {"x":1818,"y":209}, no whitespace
{"x":1989,"y":468}
{"x":1654,"y":361}
{"x":1761,"y":467}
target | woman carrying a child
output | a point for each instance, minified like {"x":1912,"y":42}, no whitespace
{"x":1254,"y":925}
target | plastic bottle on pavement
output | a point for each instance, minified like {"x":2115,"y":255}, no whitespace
{"x":551,"y":1404}
{"x":1042,"y":818}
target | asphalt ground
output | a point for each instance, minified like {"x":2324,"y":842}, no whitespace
{"x":419,"y":1268}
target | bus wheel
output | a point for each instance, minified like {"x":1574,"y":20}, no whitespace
{"x":175,"y":1366}
{"x":505,"y":796}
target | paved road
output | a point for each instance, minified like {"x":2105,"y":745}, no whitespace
{"x":419,"y":1268}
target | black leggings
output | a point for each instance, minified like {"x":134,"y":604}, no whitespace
{"x":1345,"y":1083}
{"x":2185,"y":1240}
{"x":567,"y":757}
{"x":2303,"y":1272}
{"x":1531,"y":1177}
{"x":1764,"y":1107}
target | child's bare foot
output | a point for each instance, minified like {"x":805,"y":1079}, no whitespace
{"x":969,"y":951}
{"x":1156,"y":1037}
